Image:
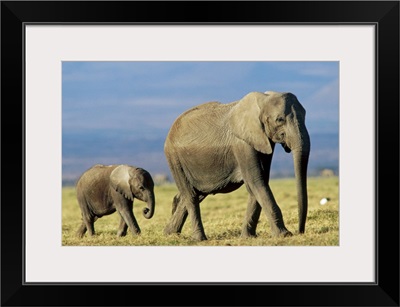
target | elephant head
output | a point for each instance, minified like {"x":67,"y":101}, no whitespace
{"x":264,"y":118}
{"x":134,"y":183}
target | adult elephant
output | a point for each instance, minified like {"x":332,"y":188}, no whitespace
{"x":215,"y":148}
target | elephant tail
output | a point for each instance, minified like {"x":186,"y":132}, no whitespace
{"x":175,"y":202}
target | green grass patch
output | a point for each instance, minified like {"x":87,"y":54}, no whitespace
{"x":222,"y":216}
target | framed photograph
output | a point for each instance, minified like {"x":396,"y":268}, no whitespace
{"x":110,"y":83}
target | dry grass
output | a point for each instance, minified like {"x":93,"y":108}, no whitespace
{"x":222,"y":217}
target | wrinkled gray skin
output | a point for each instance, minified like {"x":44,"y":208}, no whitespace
{"x":102,"y":190}
{"x":215,"y":148}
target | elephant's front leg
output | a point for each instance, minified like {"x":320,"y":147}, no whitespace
{"x":123,"y":228}
{"x":125,"y":209}
{"x":252,"y":217}
{"x":258,"y":187}
{"x":265,"y":198}
{"x":267,"y":201}
{"x":253,"y":207}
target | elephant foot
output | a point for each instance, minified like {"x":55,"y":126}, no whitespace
{"x":287,"y":234}
{"x":284,"y":233}
{"x":81,"y":231}
{"x":246,"y":235}
{"x":199,"y":236}
{"x":136,"y":233}
{"x":121,"y":233}
{"x":168,"y":230}
{"x":248,"y":232}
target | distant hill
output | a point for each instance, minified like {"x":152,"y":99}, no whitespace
{"x":81,"y":151}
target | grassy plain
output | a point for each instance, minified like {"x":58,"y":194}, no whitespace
{"x":222,"y":216}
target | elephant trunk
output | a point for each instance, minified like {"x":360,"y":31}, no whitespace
{"x":151,"y":205}
{"x":300,"y":163}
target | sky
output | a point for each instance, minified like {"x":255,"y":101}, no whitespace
{"x":140,"y":100}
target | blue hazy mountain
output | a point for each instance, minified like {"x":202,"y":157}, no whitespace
{"x":120,"y":112}
{"x":81,"y":151}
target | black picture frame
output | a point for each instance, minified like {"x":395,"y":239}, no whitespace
{"x":383,"y":14}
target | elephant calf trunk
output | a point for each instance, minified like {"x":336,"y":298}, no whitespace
{"x":148,"y":212}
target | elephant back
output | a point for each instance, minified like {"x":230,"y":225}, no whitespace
{"x":201,"y":125}
{"x":95,"y":179}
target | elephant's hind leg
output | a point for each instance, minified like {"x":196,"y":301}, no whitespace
{"x":175,"y":203}
{"x":81,"y":230}
{"x":193,"y":207}
{"x":89,"y":223}
{"x":182,"y":208}
{"x":252,"y":217}
{"x":88,"y":217}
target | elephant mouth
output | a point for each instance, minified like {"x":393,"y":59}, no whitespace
{"x":285,"y":147}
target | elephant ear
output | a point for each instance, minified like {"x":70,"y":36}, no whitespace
{"x":119,"y":180}
{"x":246,"y":125}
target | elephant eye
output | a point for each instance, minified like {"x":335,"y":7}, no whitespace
{"x":141,"y":188}
{"x":280,"y":120}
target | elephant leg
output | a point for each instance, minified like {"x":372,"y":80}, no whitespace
{"x":266,"y":199}
{"x":253,"y":207}
{"x":256,"y":180}
{"x":81,"y":230}
{"x":252,"y":217}
{"x":175,"y":203}
{"x":88,"y":219}
{"x":89,"y":223}
{"x":126,"y":212}
{"x":178,"y":218}
{"x":193,"y":208}
{"x":180,"y":214}
{"x":122,"y":229}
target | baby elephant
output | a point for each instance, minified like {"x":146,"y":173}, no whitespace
{"x":102,"y":190}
